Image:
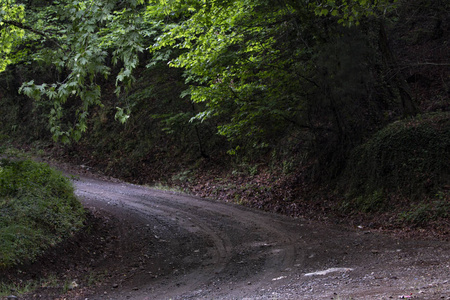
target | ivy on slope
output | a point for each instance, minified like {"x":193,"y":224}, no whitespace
{"x":408,"y":159}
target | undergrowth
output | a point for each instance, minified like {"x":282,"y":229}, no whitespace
{"x":37,"y":210}
{"x":404,"y":167}
{"x":29,"y":286}
{"x":425,"y":212}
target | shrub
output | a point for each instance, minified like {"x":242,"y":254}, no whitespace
{"x":37,"y":210}
{"x":409,"y":158}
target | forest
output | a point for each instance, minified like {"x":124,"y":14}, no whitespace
{"x":322,"y":109}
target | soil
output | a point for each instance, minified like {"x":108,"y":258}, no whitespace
{"x":142,"y":243}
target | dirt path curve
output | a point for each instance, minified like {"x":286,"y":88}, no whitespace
{"x":182,"y":247}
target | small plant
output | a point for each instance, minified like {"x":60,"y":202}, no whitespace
{"x":92,"y":278}
{"x":288,"y":166}
{"x":20,"y":288}
{"x":375,"y":202}
{"x":253,"y":170}
{"x":164,"y":187}
{"x":183,"y":176}
{"x":17,"y":288}
{"x":423,"y":213}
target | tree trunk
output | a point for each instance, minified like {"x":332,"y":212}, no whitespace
{"x":409,"y":107}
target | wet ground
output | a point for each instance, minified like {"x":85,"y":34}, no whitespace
{"x":151,"y":244}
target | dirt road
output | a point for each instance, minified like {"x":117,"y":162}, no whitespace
{"x":172,"y":246}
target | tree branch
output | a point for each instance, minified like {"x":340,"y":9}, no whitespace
{"x":26,"y":27}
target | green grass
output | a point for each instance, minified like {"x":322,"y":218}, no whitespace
{"x":37,"y":210}
{"x":422,"y":213}
{"x":63,"y":283}
{"x":17,"y":289}
{"x":29,"y":286}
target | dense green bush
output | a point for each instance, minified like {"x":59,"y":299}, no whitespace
{"x":409,"y":159}
{"x":37,"y":210}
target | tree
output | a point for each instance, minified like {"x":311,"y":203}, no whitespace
{"x":253,"y":62}
{"x":250,"y":63}
{"x":76,"y":38}
{"x":11,"y":14}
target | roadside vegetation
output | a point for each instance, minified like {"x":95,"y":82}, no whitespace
{"x":37,"y":210}
{"x":403,"y":169}
{"x":329,"y":110}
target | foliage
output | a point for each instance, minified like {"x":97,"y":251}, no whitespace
{"x":10,"y":11}
{"x":375,"y":202}
{"x":306,"y":80}
{"x":22,"y":288}
{"x":426,"y":212}
{"x":73,"y":37}
{"x":37,"y":210}
{"x":246,"y":60}
{"x":409,"y":158}
{"x":350,"y":13}
{"x":158,"y":132}
{"x":252,"y":62}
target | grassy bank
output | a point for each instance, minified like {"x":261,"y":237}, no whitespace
{"x":37,"y":210}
